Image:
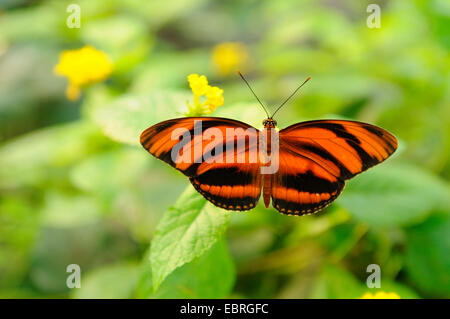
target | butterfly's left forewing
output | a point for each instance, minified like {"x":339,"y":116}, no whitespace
{"x":316,"y":157}
{"x":230,"y":178}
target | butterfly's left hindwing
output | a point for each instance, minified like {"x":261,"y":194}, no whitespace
{"x":233,"y":183}
{"x":301,"y":186}
{"x":229,"y":186}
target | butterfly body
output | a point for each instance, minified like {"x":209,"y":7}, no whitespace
{"x":301,"y":168}
{"x":268,"y":124}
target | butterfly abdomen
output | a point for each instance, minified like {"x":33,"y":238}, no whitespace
{"x":267,"y":189}
{"x":267,"y":179}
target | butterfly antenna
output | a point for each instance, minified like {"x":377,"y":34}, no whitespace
{"x":293,"y":93}
{"x":265,"y":110}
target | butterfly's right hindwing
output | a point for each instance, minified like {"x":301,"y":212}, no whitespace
{"x":230,"y":187}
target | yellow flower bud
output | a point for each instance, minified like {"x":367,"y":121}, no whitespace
{"x":214,"y":97}
{"x":198,"y":84}
{"x":200,"y":88}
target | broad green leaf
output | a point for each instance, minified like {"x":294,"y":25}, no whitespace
{"x":157,"y":13}
{"x":88,"y":245}
{"x":19,"y":227}
{"x":394,"y":195}
{"x":186,"y":231}
{"x":124,"y":38}
{"x":211,"y":275}
{"x":342,"y":239}
{"x":116,"y":35}
{"x":37,"y":156}
{"x":13,"y":23}
{"x":428,"y":255}
{"x":124,"y":118}
{"x":169,"y":70}
{"x":65,"y":211}
{"x":110,"y":282}
{"x":334,"y":282}
{"x":26,"y":293}
{"x":244,"y":112}
{"x":128,"y":189}
{"x":110,"y":172}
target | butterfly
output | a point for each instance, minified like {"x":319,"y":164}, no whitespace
{"x":314,"y":159}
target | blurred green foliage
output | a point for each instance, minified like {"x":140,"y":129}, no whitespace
{"x":76,"y":187}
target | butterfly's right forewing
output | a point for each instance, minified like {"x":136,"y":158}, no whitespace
{"x":316,"y":157}
{"x":224,"y":169}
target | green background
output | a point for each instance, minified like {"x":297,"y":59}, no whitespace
{"x":76,"y":187}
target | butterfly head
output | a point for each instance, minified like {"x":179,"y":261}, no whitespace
{"x":269,"y":123}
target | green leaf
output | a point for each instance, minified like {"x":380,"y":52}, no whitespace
{"x":36,"y":157}
{"x":186,"y":231}
{"x":65,"y":211}
{"x":88,"y":245}
{"x":124,"y":118}
{"x":19,"y":228}
{"x":110,"y":172}
{"x":157,"y":13}
{"x":394,"y":195}
{"x":123,"y":181}
{"x":174,"y":66}
{"x":124,"y":38}
{"x":110,"y":282}
{"x":116,"y":35}
{"x":244,"y":112}
{"x":335,"y":282}
{"x":427,"y":255}
{"x":211,"y":275}
{"x":13,"y":23}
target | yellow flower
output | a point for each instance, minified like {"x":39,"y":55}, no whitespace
{"x":380,"y":295}
{"x":229,"y":57}
{"x":212,"y":96}
{"x":82,"y":67}
{"x":198,"y":83}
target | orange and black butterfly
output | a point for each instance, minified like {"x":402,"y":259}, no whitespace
{"x":315,"y":158}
